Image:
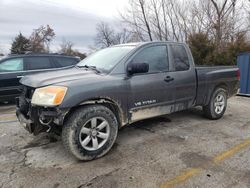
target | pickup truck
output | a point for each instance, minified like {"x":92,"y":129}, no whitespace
{"x":119,"y":85}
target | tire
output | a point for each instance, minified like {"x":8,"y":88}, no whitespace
{"x":84,"y":134}
{"x":216,"y":108}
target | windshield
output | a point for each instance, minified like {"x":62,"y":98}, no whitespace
{"x":104,"y":60}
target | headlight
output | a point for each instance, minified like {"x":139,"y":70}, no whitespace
{"x":49,"y":96}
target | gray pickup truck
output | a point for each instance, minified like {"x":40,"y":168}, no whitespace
{"x":119,"y":85}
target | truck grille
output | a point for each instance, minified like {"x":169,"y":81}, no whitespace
{"x":24,"y":103}
{"x":27,"y":92}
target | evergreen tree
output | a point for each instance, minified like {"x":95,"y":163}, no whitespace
{"x":20,"y":45}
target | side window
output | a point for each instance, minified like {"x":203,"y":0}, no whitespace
{"x":11,"y":65}
{"x":180,"y":57}
{"x":155,"y":56}
{"x":64,"y":61}
{"x":34,"y":63}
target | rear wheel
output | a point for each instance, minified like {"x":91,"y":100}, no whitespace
{"x":217,"y":104}
{"x":90,"y":132}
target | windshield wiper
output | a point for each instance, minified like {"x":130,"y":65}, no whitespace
{"x":90,"y":67}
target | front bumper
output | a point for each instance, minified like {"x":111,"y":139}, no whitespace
{"x":26,"y":123}
{"x":37,"y":119}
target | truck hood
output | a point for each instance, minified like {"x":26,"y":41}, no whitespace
{"x":58,"y":76}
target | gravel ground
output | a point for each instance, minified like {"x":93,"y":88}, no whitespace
{"x":177,"y":150}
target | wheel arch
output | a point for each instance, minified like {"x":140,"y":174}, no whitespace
{"x":222,"y":85}
{"x":107,"y":102}
{"x":208,"y":109}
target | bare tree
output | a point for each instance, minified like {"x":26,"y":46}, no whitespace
{"x":107,"y":36}
{"x":142,"y":5}
{"x":41,"y":38}
{"x":221,"y":13}
{"x":248,"y":10}
{"x":222,"y":20}
{"x":156,"y":18}
{"x":122,"y":36}
{"x":66,"y":47}
{"x":176,"y":19}
{"x":222,"y":27}
{"x":163,"y":5}
{"x":137,"y":17}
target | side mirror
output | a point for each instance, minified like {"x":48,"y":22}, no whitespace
{"x":137,"y":68}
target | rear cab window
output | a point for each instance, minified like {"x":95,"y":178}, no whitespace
{"x":12,"y":65}
{"x":65,"y":61}
{"x":36,"y":63}
{"x":179,"y":57}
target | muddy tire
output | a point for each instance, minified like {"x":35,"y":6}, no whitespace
{"x":217,"y":104}
{"x":90,"y":132}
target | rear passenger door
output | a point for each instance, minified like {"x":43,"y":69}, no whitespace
{"x":38,"y":64}
{"x":184,"y":76}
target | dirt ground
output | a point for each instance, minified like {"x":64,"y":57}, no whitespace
{"x":179,"y":150}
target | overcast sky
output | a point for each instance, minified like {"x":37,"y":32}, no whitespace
{"x":74,"y":20}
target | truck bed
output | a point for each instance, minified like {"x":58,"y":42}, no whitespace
{"x":210,"y":77}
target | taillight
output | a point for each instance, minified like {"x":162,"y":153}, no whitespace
{"x":238,"y":74}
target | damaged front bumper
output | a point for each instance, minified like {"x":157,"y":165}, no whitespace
{"x":37,"y":119}
{"x":26,"y":123}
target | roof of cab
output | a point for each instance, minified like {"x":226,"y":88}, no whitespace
{"x":146,"y":43}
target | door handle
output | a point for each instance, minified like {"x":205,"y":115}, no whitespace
{"x":19,"y":76}
{"x":168,"y":79}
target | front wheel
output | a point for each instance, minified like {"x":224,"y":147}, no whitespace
{"x":217,"y":104}
{"x":90,"y":132}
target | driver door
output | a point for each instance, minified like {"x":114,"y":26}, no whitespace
{"x":150,"y":94}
